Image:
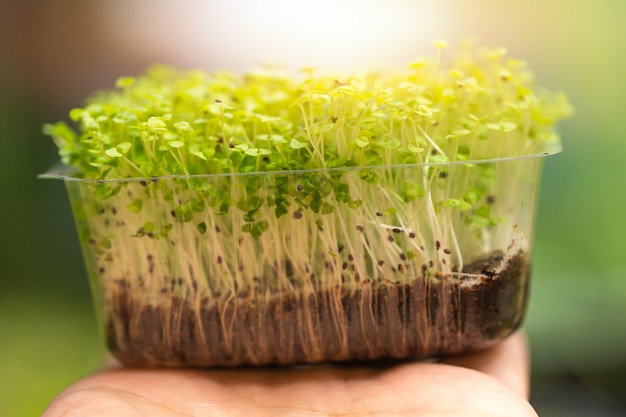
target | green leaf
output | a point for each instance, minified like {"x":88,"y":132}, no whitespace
{"x":354,"y":204}
{"x":60,"y":130}
{"x":184,"y":212}
{"x":124,"y":117}
{"x":374,"y":158}
{"x":296,"y":144}
{"x":391,"y":211}
{"x":105,"y":191}
{"x":316,"y":202}
{"x":362,"y":141}
{"x":342,"y":188}
{"x":183,"y":127}
{"x":322,"y":127}
{"x":280,"y":210}
{"x":438,"y":159}
{"x":113,"y":153}
{"x":457,"y":203}
{"x":425,"y":111}
{"x":176,"y":144}
{"x":327,"y":208}
{"x":256,"y":229}
{"x":124,"y":147}
{"x":388,"y":142}
{"x":196,"y":150}
{"x":265,"y":118}
{"x":463,"y":153}
{"x":156,"y":124}
{"x":78,"y":114}
{"x":458,"y":133}
{"x":502,"y":126}
{"x":149,"y":227}
{"x":135,"y":206}
{"x":471,"y":197}
{"x":262,"y":226}
{"x":125,"y":82}
{"x":508,"y":126}
{"x":370,"y":176}
{"x":483,"y":211}
{"x":249,"y":216}
{"x":257,"y":152}
{"x":411,"y":191}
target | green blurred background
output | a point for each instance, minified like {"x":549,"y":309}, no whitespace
{"x":52,"y":54}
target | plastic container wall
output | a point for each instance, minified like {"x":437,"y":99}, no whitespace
{"x":309,"y":266}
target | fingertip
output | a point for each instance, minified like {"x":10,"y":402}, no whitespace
{"x":508,"y":362}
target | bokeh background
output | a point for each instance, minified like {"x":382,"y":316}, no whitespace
{"x":54,"y":53}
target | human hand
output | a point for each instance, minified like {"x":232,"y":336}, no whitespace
{"x":487,"y":384}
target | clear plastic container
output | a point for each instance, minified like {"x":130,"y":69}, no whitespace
{"x":309,"y":266}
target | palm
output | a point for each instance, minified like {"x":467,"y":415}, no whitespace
{"x":491,"y":383}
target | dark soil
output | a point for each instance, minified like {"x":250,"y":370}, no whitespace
{"x":421,"y":319}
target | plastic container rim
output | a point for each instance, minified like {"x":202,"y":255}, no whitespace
{"x":65,"y":173}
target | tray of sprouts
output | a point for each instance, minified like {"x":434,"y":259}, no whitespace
{"x":264,"y":217}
